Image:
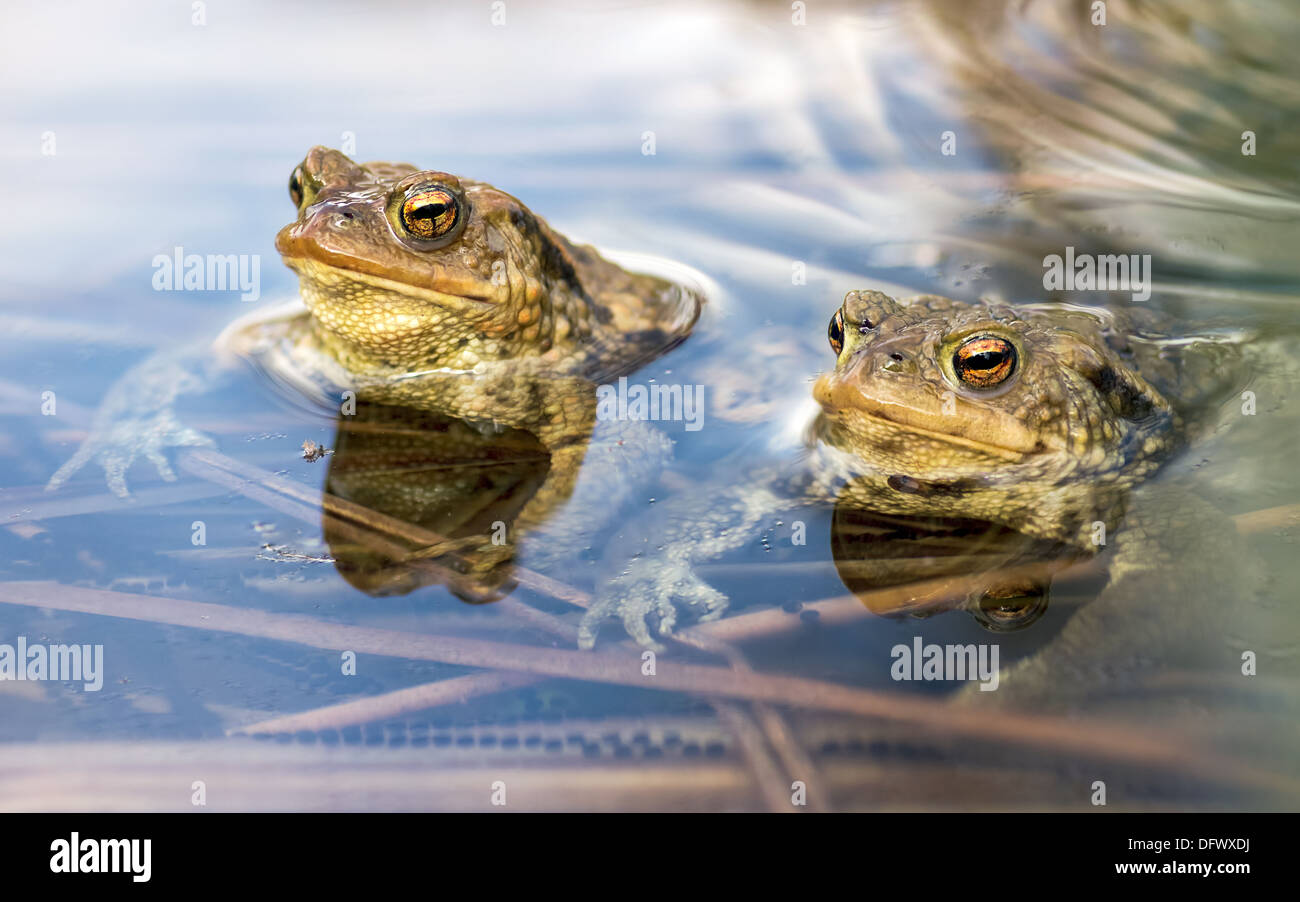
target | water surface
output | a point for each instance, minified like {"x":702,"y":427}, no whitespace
{"x":779,"y":148}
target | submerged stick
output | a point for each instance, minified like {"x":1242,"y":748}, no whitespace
{"x":1099,"y":738}
{"x":392,"y":704}
{"x":769,"y":781}
{"x":773,"y":725}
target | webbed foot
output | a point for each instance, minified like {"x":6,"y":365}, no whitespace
{"x":117,"y":446}
{"x":651,"y":586}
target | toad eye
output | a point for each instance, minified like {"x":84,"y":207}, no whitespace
{"x":835,"y":332}
{"x":984,"y":361}
{"x":430,"y":212}
{"x":295,"y":186}
{"x":1011,"y":607}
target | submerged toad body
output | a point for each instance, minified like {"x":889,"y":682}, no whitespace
{"x":431,"y":292}
{"x":1038,"y":419}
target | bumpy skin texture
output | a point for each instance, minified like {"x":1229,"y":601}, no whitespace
{"x":1085,"y":414}
{"x":1047,"y":452}
{"x":501,"y":285}
{"x":499,"y":322}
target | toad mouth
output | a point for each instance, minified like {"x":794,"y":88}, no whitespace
{"x":314,"y":267}
{"x":835,"y":396}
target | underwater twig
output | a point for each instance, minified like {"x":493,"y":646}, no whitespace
{"x":768,"y":779}
{"x":261,"y":776}
{"x":773,"y":725}
{"x":392,"y":704}
{"x":1086,"y":737}
{"x":798,"y":764}
{"x":924,"y":596}
{"x":33,"y":503}
{"x":1268,"y":518}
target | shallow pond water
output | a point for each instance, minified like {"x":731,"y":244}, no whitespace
{"x":779,"y":162}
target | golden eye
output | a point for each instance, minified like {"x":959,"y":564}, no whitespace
{"x":835,"y":332}
{"x":984,"y":361}
{"x":430,"y":212}
{"x":295,"y":186}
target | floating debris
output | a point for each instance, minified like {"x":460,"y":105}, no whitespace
{"x":312,"y":451}
{"x":283,"y":554}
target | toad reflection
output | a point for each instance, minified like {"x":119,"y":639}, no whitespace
{"x":417,"y":497}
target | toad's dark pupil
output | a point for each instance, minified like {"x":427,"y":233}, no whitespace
{"x":429,"y":211}
{"x":985,"y":360}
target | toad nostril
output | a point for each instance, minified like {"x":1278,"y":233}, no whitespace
{"x":905,"y":484}
{"x":894,"y":362}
